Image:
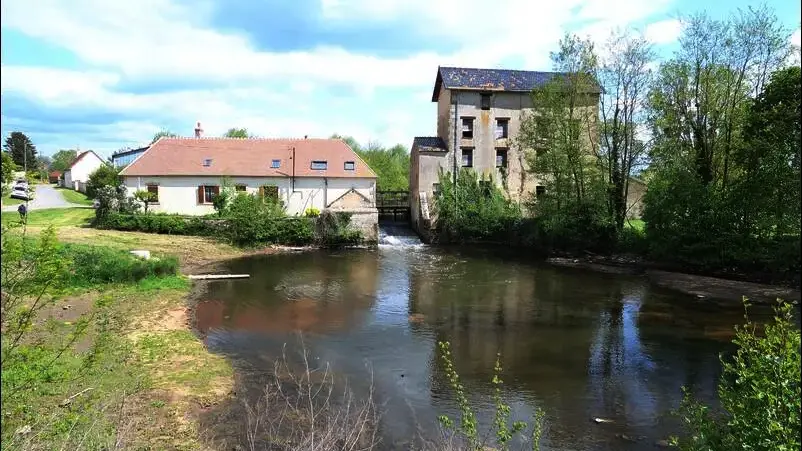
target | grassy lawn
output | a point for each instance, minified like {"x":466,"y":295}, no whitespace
{"x":74,"y":197}
{"x":59,"y":217}
{"x":9,"y":201}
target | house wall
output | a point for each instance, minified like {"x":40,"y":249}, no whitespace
{"x":180,"y":194}
{"x":81,"y":170}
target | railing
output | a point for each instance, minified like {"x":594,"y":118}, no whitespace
{"x":395,"y":203}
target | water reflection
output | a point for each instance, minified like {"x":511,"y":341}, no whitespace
{"x":580,"y":345}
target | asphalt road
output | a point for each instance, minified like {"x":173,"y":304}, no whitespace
{"x":46,"y":196}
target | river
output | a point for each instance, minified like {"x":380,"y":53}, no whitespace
{"x":580,"y":345}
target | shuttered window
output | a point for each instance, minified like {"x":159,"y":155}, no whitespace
{"x":207,"y":193}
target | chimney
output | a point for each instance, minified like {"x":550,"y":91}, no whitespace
{"x":198,"y":130}
{"x":306,"y":136}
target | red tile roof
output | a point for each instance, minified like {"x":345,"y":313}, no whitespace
{"x":248,"y":157}
{"x":81,"y":156}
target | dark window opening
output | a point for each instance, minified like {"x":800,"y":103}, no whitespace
{"x":502,"y":128}
{"x":540,"y":190}
{"x":350,"y":166}
{"x":154,"y":189}
{"x":467,"y":158}
{"x":241,"y":188}
{"x":485,"y":101}
{"x":207,"y":162}
{"x":501,"y":158}
{"x":320,"y":165}
{"x":269,"y":192}
{"x":275,"y":164}
{"x":467,"y":128}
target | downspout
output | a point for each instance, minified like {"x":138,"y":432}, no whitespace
{"x":325,"y":192}
{"x":456,"y":145}
{"x":292,"y":179}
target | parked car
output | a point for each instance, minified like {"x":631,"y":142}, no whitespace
{"x":20,"y":193}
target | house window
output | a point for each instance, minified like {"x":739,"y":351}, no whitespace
{"x":485,"y":101}
{"x":241,"y":188}
{"x":207,"y":162}
{"x":467,"y":157}
{"x":502,"y":128}
{"x":269,"y":192}
{"x":350,"y":165}
{"x":320,"y":165}
{"x":467,"y":128}
{"x":154,"y":189}
{"x":207,"y":193}
{"x":501,"y":157}
{"x":540,"y":190}
{"x":275,"y":164}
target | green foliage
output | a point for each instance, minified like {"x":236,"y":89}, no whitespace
{"x":8,"y":167}
{"x":19,"y":145}
{"x":164,"y":133}
{"x":146,"y":197}
{"x":254,"y":221}
{"x":391,"y":165}
{"x":334,"y":229}
{"x":113,"y":199}
{"x":312,"y":212}
{"x":237,"y":133}
{"x":161,"y":223}
{"x":474,"y":210}
{"x":105,"y":175}
{"x":96,"y":265}
{"x":759,"y":392}
{"x":468,"y":427}
{"x":62,"y":159}
{"x":222,"y":200}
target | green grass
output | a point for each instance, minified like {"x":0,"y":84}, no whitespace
{"x":635,"y":224}
{"x":74,"y":197}
{"x":59,"y":217}
{"x":9,"y":201}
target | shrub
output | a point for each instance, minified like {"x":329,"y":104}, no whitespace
{"x":334,"y":229}
{"x":254,"y":221}
{"x":104,"y":176}
{"x":114,"y":200}
{"x":759,"y":391}
{"x":92,"y":265}
{"x":161,"y":223}
{"x":312,"y":212}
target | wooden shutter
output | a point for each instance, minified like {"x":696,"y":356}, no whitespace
{"x":215,"y":191}
{"x":200,"y":194}
{"x":261,"y":192}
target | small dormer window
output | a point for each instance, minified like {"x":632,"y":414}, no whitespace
{"x":350,"y":166}
{"x":207,"y":162}
{"x":320,"y":165}
{"x":485,"y":101}
{"x":275,"y":164}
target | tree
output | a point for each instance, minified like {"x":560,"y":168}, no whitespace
{"x":146,"y":197}
{"x":63,"y":159}
{"x":44,"y":162}
{"x":164,"y":133}
{"x":22,"y":150}
{"x":391,"y":165}
{"x":105,"y":175}
{"x":237,"y":133}
{"x":624,"y":76}
{"x":8,"y":167}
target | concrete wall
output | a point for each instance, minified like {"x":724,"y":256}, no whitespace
{"x":180,"y":194}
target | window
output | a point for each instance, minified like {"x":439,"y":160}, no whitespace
{"x":467,"y":157}
{"x":320,"y":165}
{"x":207,"y":162}
{"x":275,"y":164}
{"x":207,"y":193}
{"x":241,"y":188}
{"x":154,"y":189}
{"x":350,"y":165}
{"x":485,"y":101}
{"x":502,"y":128}
{"x":467,"y":128}
{"x":501,"y":157}
{"x":540,"y":190}
{"x":269,"y":192}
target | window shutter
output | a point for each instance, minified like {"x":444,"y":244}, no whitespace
{"x":216,"y":190}
{"x":261,"y":192}
{"x":200,"y":194}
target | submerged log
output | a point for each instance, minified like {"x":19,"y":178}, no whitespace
{"x":218,"y":276}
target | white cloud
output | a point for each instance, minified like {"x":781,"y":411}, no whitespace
{"x":796,"y":38}
{"x":281,"y":93}
{"x":664,"y":31}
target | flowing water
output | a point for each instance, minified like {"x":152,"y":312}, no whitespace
{"x":580,"y":345}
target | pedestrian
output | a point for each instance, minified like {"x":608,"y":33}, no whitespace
{"x":23,"y":212}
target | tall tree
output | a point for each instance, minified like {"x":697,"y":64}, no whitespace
{"x":63,"y":158}
{"x":44,"y":162}
{"x":237,"y":133}
{"x":391,"y":165}
{"x":624,"y":76}
{"x":164,"y":133}
{"x":22,"y":150}
{"x":8,"y":167}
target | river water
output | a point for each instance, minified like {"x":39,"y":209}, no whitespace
{"x":578,"y":344}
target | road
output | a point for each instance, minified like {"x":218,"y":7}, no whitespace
{"x":46,"y":196}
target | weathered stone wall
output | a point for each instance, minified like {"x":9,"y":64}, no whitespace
{"x":366,"y":220}
{"x":635,"y":193}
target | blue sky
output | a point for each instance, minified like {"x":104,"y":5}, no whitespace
{"x":105,"y":74}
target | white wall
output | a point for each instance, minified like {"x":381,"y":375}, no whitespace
{"x":87,"y":165}
{"x":180,"y":194}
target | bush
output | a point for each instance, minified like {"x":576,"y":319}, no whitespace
{"x":104,"y":176}
{"x":92,"y":265}
{"x":759,"y":391}
{"x":334,"y":229}
{"x":254,"y":221}
{"x":161,"y":223}
{"x":312,"y":212}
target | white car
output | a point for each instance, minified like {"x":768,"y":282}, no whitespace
{"x":20,"y":193}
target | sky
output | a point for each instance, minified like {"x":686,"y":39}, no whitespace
{"x":103,"y":75}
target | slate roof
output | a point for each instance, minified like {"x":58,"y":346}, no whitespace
{"x":465,"y":78}
{"x":247,"y":157}
{"x":429,"y":144}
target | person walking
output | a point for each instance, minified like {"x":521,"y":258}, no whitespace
{"x":23,"y":212}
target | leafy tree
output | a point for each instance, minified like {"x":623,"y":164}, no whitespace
{"x":43,"y":162}
{"x":19,"y":145}
{"x":164,"y":133}
{"x":391,"y":165}
{"x":8,"y":168}
{"x":759,"y":391}
{"x":237,"y":133}
{"x":62,"y":159}
{"x":105,"y":175}
{"x":146,"y":197}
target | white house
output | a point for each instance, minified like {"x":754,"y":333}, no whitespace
{"x":186,"y":173}
{"x":77,"y":174}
